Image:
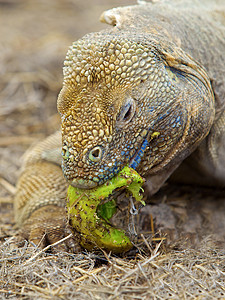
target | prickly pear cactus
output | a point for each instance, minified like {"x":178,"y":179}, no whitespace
{"x":91,"y":219}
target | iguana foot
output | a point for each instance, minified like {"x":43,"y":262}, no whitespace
{"x":46,"y":226}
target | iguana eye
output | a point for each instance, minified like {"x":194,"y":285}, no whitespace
{"x":127,"y":112}
{"x":95,"y":154}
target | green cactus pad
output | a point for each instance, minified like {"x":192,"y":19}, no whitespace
{"x":90,"y":218}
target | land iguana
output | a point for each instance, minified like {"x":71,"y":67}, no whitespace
{"x":158,"y":69}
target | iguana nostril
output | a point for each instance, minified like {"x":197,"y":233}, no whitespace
{"x":95,"y":154}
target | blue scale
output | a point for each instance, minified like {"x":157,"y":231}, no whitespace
{"x":139,"y":155}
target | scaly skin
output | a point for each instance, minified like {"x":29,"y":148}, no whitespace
{"x":147,"y":93}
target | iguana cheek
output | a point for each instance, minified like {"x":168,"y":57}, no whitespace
{"x":94,"y":166}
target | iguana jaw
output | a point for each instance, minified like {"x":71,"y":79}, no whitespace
{"x":133,"y":163}
{"x":83,"y":184}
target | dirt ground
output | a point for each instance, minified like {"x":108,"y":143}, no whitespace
{"x":35,"y":36}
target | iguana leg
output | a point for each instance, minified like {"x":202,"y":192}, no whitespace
{"x":206,"y":166}
{"x":214,"y":158}
{"x":48,"y":225}
{"x":40,"y":198}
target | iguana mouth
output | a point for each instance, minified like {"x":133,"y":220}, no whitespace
{"x":83,"y":183}
{"x":134,"y":162}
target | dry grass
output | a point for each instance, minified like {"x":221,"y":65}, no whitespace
{"x":32,"y":273}
{"x":34,"y":38}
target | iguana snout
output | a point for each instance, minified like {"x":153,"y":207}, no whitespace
{"x":95,"y":143}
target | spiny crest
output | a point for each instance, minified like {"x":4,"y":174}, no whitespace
{"x":113,"y":62}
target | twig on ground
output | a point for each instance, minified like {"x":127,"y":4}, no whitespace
{"x":48,"y":247}
{"x":8,"y":186}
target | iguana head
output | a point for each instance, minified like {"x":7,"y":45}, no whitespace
{"x":122,"y":103}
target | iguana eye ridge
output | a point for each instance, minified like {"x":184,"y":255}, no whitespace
{"x":127,"y":112}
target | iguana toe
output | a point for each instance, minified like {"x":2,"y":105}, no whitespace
{"x":48,"y":226}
